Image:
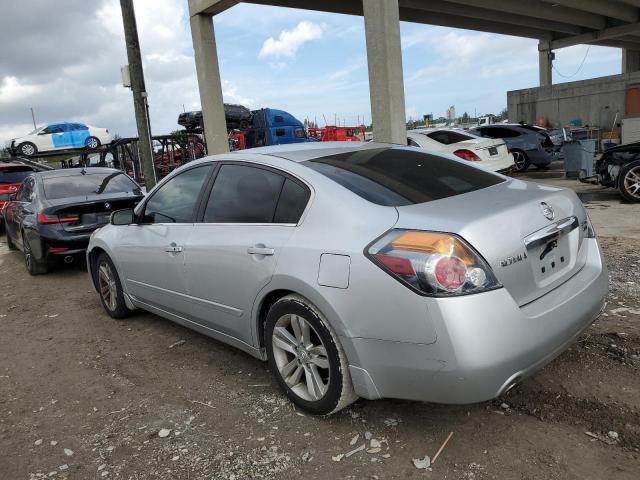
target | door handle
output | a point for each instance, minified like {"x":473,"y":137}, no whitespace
{"x":260,"y":250}
{"x":173,"y":248}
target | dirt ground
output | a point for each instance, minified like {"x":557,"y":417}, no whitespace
{"x":83,"y":396}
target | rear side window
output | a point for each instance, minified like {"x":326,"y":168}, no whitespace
{"x":176,"y":200}
{"x":243,"y":194}
{"x":293,"y":200}
{"x":499,"y":132}
{"x":89,"y":184}
{"x":396,"y":177}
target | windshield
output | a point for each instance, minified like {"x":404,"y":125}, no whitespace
{"x":396,"y":177}
{"x":14,"y":176}
{"x":89,"y":184}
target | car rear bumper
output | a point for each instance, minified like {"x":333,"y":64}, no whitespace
{"x":52,"y":242}
{"x":485,"y":344}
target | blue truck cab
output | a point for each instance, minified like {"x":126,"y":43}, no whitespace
{"x":274,"y":127}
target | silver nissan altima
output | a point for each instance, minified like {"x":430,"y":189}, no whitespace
{"x":360,"y":269}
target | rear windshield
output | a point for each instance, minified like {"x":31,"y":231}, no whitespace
{"x":88,"y":185}
{"x":14,"y":175}
{"x":396,"y":177}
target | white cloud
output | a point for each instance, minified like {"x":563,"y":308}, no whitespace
{"x":230,"y":95}
{"x":290,"y":41}
{"x":11,"y":90}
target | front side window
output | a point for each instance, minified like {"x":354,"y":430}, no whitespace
{"x":176,"y":201}
{"x":396,"y":177}
{"x":243,"y":194}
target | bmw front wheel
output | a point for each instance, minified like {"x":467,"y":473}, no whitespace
{"x":306,"y":357}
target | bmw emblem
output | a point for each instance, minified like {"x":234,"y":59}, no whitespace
{"x":547,"y":211}
{"x":107,"y":206}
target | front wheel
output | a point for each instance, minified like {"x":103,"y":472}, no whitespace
{"x":306,"y":357}
{"x":521,"y":161}
{"x":27,"y":149}
{"x":629,"y":181}
{"x":92,"y":143}
{"x":110,"y":288}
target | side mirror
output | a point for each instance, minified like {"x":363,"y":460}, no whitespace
{"x":122,"y":217}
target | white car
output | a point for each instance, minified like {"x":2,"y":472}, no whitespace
{"x":60,"y":136}
{"x":491,"y":154}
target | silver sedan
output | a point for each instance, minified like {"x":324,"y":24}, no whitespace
{"x":360,"y":270}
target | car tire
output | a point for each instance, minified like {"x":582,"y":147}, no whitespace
{"x":629,"y":181}
{"x":92,"y":143}
{"x":33,"y":265}
{"x":10,"y":244}
{"x":521,"y":161}
{"x":109,"y":288}
{"x":27,"y":149}
{"x":300,"y":342}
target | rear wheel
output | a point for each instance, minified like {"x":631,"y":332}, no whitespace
{"x":110,"y":288}
{"x":521,"y":161}
{"x":92,"y":143}
{"x":629,"y":181}
{"x":10,"y":244}
{"x":306,"y":357}
{"x":33,"y":265}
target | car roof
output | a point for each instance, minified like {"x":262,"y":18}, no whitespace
{"x":70,"y":172}
{"x":300,"y":152}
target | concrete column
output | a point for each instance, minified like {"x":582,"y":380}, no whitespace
{"x":545,"y":64}
{"x":209,"y":83}
{"x":630,"y":60}
{"x":384,"y":56}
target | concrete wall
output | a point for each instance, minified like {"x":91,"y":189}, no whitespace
{"x":595,"y":101}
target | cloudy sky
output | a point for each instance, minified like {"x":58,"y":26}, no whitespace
{"x":63,"y":58}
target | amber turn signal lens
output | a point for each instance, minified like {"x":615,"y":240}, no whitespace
{"x":433,"y":242}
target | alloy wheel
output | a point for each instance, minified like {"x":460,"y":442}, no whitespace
{"x":631,"y":182}
{"x":520,"y":161}
{"x":301,"y":357}
{"x":107,"y":286}
{"x":27,"y":150}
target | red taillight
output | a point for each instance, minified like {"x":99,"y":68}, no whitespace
{"x":398,"y":265}
{"x":450,"y":273}
{"x":432,"y":263}
{"x":466,"y":155}
{"x":44,"y":219}
{"x":57,"y":249}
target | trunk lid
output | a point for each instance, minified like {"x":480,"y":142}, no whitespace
{"x":486,"y":149}
{"x":529,"y":253}
{"x":92,"y":212}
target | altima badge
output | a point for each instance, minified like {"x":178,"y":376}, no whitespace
{"x":547,"y":211}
